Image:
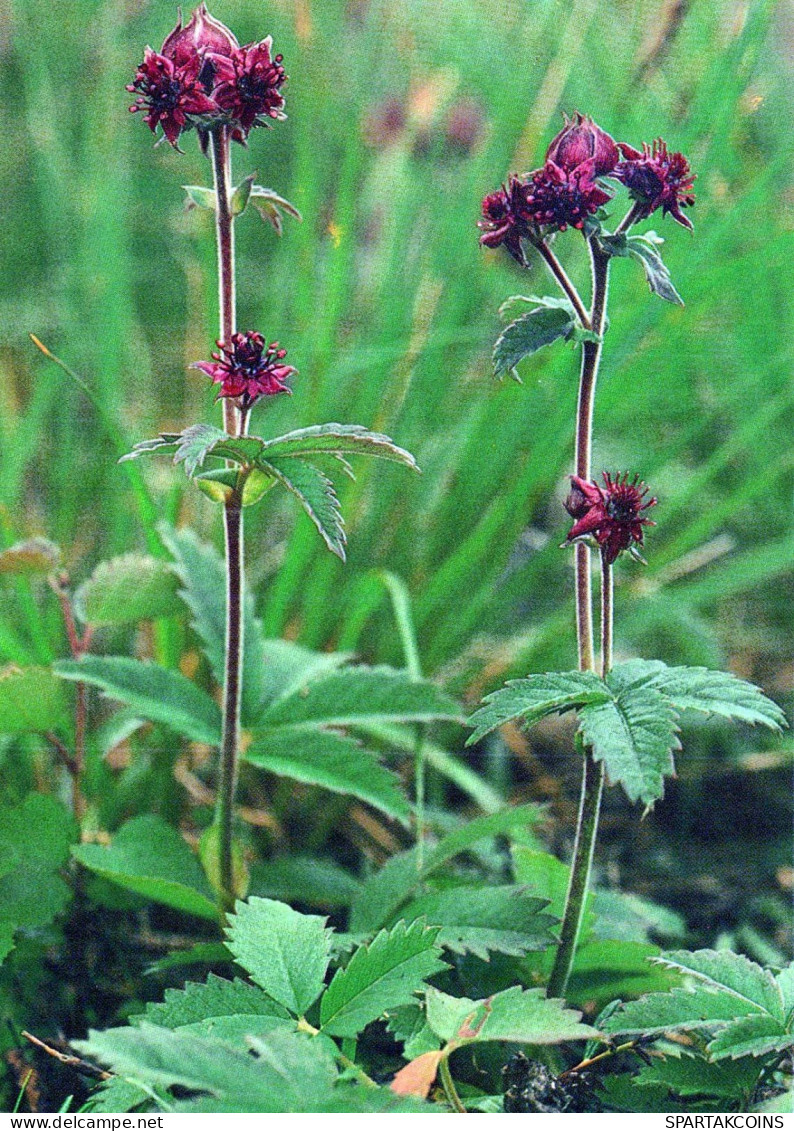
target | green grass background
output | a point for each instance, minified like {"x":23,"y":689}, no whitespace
{"x":388,"y":307}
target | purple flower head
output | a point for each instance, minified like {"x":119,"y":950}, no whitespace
{"x":657,"y":178}
{"x":171,"y":93}
{"x":248,"y":368}
{"x":247,"y":85}
{"x":502,"y":219}
{"x":611,"y":514}
{"x":582,"y":140}
{"x":556,"y":197}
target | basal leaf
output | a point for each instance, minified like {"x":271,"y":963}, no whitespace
{"x":216,"y":997}
{"x":285,"y":953}
{"x":386,"y":892}
{"x":681,"y":1008}
{"x":701,"y":689}
{"x":785,"y":983}
{"x":536,"y":696}
{"x":524,"y":1016}
{"x":725,"y":970}
{"x":127,"y":589}
{"x":754,"y":1035}
{"x":695,"y":1076}
{"x":157,"y":693}
{"x":316,"y":494}
{"x":151,"y":858}
{"x":313,"y":880}
{"x":287,"y":1072}
{"x":32,"y":699}
{"x":361,"y":696}
{"x":478,"y":920}
{"x":331,"y":761}
{"x":528,"y":334}
{"x":337,"y":440}
{"x":634,"y":736}
{"x":381,"y":975}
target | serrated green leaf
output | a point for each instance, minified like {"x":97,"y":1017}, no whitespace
{"x":362,"y":696}
{"x":32,"y":699}
{"x":525,"y":1016}
{"x":477,"y":920}
{"x":644,"y":250}
{"x":116,"y":1095}
{"x":785,"y":983}
{"x":337,"y":440}
{"x":165,"y":442}
{"x":384,"y":974}
{"x":409,"y":1026}
{"x":285,"y":953}
{"x":535,"y":697}
{"x":34,"y":555}
{"x":386,"y":892}
{"x":701,"y":689}
{"x":151,"y":858}
{"x":331,"y":761}
{"x":287,"y":1072}
{"x":159,"y":694}
{"x":725,"y":970}
{"x":217,"y":997}
{"x":634,"y":736}
{"x":316,"y":494}
{"x":127,"y":589}
{"x":553,"y":302}
{"x":528,"y":334}
{"x":681,"y":1008}
{"x":755,"y":1035}
{"x":195,"y":444}
{"x":694,"y":1076}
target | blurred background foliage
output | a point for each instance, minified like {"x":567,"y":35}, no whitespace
{"x":402,"y":114}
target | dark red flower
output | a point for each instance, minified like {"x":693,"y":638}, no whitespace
{"x":657,"y":178}
{"x":611,"y":514}
{"x":200,"y":35}
{"x":555,"y":197}
{"x":580,"y":140}
{"x":502,"y":218}
{"x":247,"y":368}
{"x":171,"y":92}
{"x":247,"y":85}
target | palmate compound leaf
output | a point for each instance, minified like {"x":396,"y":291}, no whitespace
{"x":700,"y":689}
{"x":478,"y":920}
{"x":634,"y":736}
{"x":282,"y":1072}
{"x":360,"y":696}
{"x":528,"y":334}
{"x":157,"y":693}
{"x":728,"y":994}
{"x":329,"y":760}
{"x":127,"y":589}
{"x":151,"y":858}
{"x":524,"y":1016}
{"x":285,"y":953}
{"x":316,"y":494}
{"x":532,"y":698}
{"x":381,"y":975}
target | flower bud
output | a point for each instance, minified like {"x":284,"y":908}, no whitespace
{"x":201,"y":34}
{"x":582,"y":140}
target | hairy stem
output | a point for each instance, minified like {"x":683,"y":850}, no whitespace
{"x":234,"y":422}
{"x":561,"y":275}
{"x":592,"y":774}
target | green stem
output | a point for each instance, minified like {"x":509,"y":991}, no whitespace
{"x":448,"y":1084}
{"x":592,"y":774}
